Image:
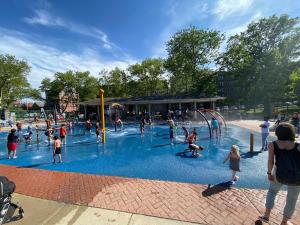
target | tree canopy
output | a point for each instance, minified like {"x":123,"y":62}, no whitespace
{"x":13,"y":79}
{"x":190,"y":51}
{"x":70,"y":87}
{"x":262,"y":58}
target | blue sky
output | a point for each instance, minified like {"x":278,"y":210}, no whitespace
{"x":93,"y":35}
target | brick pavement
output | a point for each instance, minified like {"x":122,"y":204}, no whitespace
{"x":180,"y":201}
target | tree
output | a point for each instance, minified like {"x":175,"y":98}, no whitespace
{"x":295,"y":84}
{"x":13,"y":79}
{"x":115,"y":82}
{"x":262,"y":59}
{"x":149,"y":75}
{"x":69,"y":87}
{"x":190,"y":51}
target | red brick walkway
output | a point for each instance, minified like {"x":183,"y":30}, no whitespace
{"x":180,"y":201}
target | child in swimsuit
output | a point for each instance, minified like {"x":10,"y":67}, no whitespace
{"x":12,"y":141}
{"x":215,"y":126}
{"x":88,"y":125}
{"x":98,"y":130}
{"x":234,"y":162}
{"x":57,"y":149}
{"x":193,"y":147}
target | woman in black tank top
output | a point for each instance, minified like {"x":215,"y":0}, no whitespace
{"x":283,"y":169}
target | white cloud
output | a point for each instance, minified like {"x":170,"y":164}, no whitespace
{"x":226,"y":8}
{"x":240,"y":28}
{"x":45,"y":60}
{"x":45,"y":18}
{"x":180,"y":15}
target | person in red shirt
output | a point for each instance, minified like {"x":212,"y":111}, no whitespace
{"x":63,"y":134}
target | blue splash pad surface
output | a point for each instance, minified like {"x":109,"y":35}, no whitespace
{"x":151,"y":156}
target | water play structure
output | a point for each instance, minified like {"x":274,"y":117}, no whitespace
{"x":116,"y":118}
{"x":208,"y":124}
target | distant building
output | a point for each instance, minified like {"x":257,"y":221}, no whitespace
{"x":227,"y":86}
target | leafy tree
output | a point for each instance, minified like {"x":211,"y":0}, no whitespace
{"x":69,"y":87}
{"x":190,"y":51}
{"x":13,"y":79}
{"x":115,"y":82}
{"x":295,"y":84}
{"x":262,"y":58}
{"x":149,"y":75}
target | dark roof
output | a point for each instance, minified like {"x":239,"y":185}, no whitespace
{"x":141,"y":100}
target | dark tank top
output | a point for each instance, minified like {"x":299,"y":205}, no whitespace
{"x":287,"y":159}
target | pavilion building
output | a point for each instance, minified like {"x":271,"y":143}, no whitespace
{"x":153,"y":105}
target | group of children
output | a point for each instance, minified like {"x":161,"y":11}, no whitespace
{"x":233,"y":157}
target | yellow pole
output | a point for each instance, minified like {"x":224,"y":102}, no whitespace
{"x":101,"y":95}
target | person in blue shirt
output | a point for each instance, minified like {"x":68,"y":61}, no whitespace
{"x":215,"y":126}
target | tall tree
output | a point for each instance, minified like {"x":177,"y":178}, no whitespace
{"x":263,"y":57}
{"x":13,"y":79}
{"x":115,"y":82}
{"x":295,"y":84}
{"x":69,"y":87}
{"x":149,"y":75}
{"x":190,"y":51}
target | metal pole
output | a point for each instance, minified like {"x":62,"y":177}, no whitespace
{"x":101,"y":95}
{"x":251,"y":142}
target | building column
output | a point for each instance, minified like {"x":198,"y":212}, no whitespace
{"x":136,"y":109}
{"x":213,"y":105}
{"x":195,"y":112}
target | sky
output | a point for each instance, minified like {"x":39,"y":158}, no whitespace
{"x":60,"y":35}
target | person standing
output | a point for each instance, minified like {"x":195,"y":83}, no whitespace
{"x":215,"y":126}
{"x":63,"y":133}
{"x":283,"y":169}
{"x":57,"y":149}
{"x":265,"y":133}
{"x":12,"y":140}
{"x":88,"y":125}
{"x":98,"y":131}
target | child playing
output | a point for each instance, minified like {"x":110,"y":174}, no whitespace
{"x":215,"y":126}
{"x":63,"y":133}
{"x":88,"y":125}
{"x":57,"y":149}
{"x":98,"y":131}
{"x":142,"y":125}
{"x":192,"y":146}
{"x":234,"y":162}
{"x":12,"y":140}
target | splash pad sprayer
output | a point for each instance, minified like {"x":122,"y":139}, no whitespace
{"x":101,"y":95}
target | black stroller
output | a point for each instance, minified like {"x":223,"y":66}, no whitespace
{"x":7,"y":208}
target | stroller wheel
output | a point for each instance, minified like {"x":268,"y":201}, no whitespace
{"x":21,"y":212}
